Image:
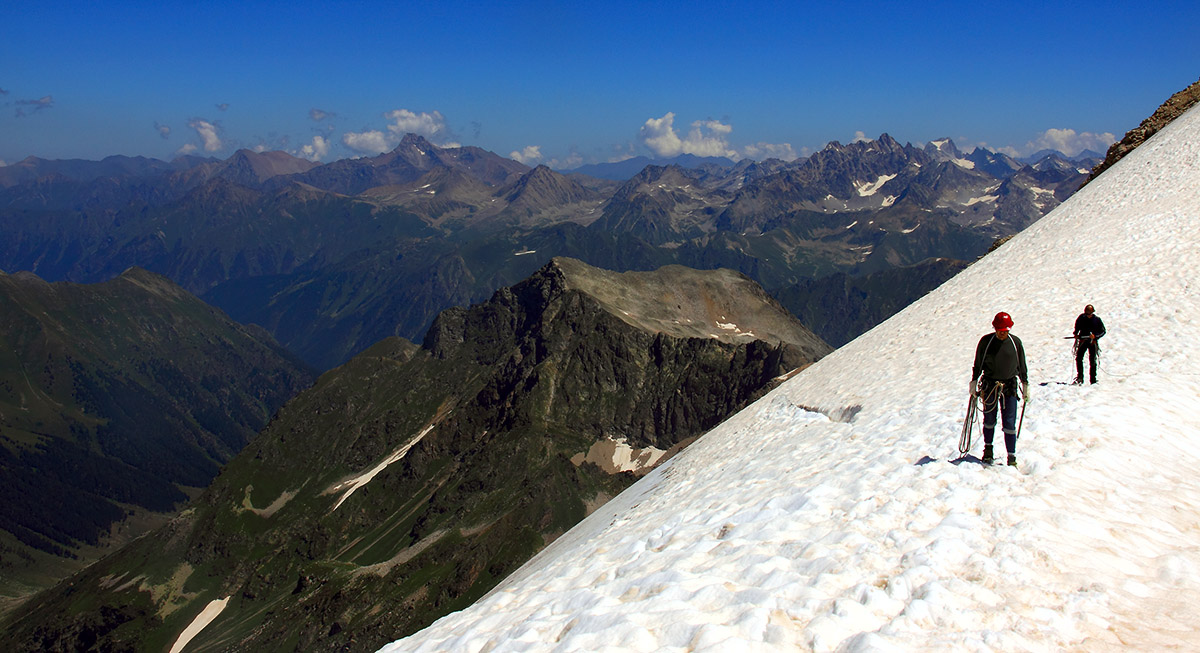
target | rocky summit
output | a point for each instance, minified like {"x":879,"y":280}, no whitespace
{"x":406,"y":483}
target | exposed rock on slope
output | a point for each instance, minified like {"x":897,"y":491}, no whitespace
{"x":1168,"y":111}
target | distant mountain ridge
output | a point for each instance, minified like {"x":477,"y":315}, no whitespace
{"x":625,"y":169}
{"x":331,"y":258}
{"x":410,"y":480}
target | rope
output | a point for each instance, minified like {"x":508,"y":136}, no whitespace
{"x":964,"y":440}
{"x":988,"y":399}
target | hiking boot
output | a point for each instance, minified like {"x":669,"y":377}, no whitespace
{"x":987,"y":455}
{"x":1012,"y":460}
{"x":1078,"y":381}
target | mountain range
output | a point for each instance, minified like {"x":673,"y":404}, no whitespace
{"x":407,"y":482}
{"x":331,"y":258}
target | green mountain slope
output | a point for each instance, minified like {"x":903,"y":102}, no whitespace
{"x":115,"y":399}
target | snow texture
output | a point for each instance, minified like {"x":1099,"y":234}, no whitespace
{"x":832,"y":515}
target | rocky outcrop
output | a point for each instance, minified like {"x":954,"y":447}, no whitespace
{"x":1174,"y":107}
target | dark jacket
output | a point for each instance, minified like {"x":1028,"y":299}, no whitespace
{"x":1089,"y":326}
{"x":1000,"y":361}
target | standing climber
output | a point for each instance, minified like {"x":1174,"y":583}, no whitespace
{"x":1088,"y":331}
{"x":999,"y":364}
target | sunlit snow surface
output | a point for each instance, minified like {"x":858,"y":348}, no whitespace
{"x":802,"y":524}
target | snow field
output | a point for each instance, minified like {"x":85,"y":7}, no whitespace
{"x":832,"y":516}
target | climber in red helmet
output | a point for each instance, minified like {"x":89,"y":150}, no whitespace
{"x":999,"y":365}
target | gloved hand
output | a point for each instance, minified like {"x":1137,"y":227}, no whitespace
{"x":1025,"y":390}
{"x":974,"y":388}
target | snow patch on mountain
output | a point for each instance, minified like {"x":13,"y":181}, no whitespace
{"x":867,"y":189}
{"x":984,"y":198}
{"x":349,"y":486}
{"x":616,"y":455}
{"x":202,"y":620}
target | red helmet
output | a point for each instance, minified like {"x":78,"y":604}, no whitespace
{"x":1002,"y":321}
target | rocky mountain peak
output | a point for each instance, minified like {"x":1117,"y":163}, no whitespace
{"x":411,"y":141}
{"x":686,"y":303}
{"x":543,"y":188}
{"x":252,"y":168}
{"x":943,"y":149}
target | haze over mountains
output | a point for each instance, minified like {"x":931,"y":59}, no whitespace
{"x":332,"y":258}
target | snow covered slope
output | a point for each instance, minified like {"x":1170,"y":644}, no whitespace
{"x":829,"y":515}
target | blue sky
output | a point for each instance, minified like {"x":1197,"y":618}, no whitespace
{"x":571,"y":83}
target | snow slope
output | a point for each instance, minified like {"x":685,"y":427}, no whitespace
{"x":830,"y":515}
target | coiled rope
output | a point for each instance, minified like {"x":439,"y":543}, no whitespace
{"x":993,"y":395}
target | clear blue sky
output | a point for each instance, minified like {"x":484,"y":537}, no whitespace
{"x":567,"y":83}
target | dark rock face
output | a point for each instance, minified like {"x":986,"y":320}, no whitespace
{"x":477,"y":447}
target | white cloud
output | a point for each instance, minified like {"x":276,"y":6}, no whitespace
{"x":317,"y":150}
{"x":186,"y":149}
{"x":860,"y":137}
{"x":1070,"y":142}
{"x":319,"y":115}
{"x":760,"y":151}
{"x":368,"y":142}
{"x":431,"y":125}
{"x":531,"y":154}
{"x":208,"y":133}
{"x":163,"y":130}
{"x":573,"y":160}
{"x":705,"y":138}
{"x":659,"y":135}
{"x":224,"y":106}
{"x":404,"y":122}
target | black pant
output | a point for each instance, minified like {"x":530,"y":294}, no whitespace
{"x":1092,"y":349}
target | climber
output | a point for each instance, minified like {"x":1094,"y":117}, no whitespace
{"x":999,"y":364}
{"x":1088,"y":331}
